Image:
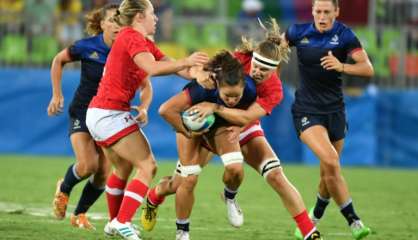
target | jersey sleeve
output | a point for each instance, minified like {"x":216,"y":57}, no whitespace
{"x":291,"y":35}
{"x":136,"y":44}
{"x":196,"y":92}
{"x":158,"y":54}
{"x":270,"y":94}
{"x":353,"y":43}
{"x":76,"y":50}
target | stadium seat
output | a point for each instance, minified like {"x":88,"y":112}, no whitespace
{"x":173,"y":50}
{"x":13,"y":49}
{"x":198,"y":5}
{"x":44,"y":48}
{"x":215,"y":35}
{"x":187,"y":36}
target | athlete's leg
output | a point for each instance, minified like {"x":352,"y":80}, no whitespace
{"x":260,"y":156}
{"x":86,"y":163}
{"x":191,"y":153}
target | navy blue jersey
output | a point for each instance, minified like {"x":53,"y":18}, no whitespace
{"x":199,"y":94}
{"x":320,"y":90}
{"x":92,"y":52}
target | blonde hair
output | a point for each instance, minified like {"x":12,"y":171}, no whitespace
{"x":273,"y":46}
{"x":128,"y":9}
{"x":95,"y":17}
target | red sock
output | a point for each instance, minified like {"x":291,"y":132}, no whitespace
{"x":153,"y":198}
{"x":132,"y":199}
{"x":304,"y":223}
{"x":114,"y":194}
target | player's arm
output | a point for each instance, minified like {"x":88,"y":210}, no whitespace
{"x":145,"y":100}
{"x":146,"y":61}
{"x":171,"y":111}
{"x":362,"y":66}
{"x":235,"y":116}
{"x":56,"y":104}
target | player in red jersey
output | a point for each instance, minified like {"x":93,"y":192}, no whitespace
{"x":262,"y":64}
{"x":132,"y":59}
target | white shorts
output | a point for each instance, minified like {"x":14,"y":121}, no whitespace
{"x":252,"y":131}
{"x":108,"y":126}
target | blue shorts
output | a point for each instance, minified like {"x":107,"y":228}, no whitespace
{"x":77,"y":122}
{"x":335,"y":123}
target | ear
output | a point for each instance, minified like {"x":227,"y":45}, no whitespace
{"x":337,"y":12}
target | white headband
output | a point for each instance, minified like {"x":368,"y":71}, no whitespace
{"x":265,"y":62}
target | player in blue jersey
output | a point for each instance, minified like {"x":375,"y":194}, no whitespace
{"x":90,"y":161}
{"x":318,"y":110}
{"x":233,"y":90}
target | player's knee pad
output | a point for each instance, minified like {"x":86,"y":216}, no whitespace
{"x":185,"y":171}
{"x":268,"y":165}
{"x":232,"y":157}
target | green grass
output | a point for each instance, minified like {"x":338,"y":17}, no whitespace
{"x":385,"y":199}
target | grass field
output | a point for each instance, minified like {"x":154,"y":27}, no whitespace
{"x":385,"y":199}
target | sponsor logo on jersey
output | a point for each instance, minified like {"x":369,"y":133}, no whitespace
{"x":305,"y":40}
{"x":94,"y":55}
{"x":304,"y":121}
{"x":334,"y":40}
{"x":76,"y":124}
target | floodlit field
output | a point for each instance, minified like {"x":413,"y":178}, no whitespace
{"x":386,"y":200}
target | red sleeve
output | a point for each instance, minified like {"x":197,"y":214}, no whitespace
{"x":270,"y":93}
{"x":136,"y":43}
{"x":244,"y":59}
{"x":158,"y":55}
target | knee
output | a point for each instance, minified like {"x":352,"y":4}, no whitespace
{"x":148,"y":166}
{"x":276,"y":177}
{"x":189,"y":183}
{"x":88,"y":167}
{"x":330,"y":163}
{"x":235,"y":171}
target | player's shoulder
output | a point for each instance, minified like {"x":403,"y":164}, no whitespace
{"x":299,"y":28}
{"x":344,"y":30}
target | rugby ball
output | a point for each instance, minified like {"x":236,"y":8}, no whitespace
{"x":196,"y":125}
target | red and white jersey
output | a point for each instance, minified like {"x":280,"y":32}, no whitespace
{"x":121,"y":76}
{"x":270,"y":91}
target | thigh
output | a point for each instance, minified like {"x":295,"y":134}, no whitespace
{"x":189,"y":149}
{"x":84,"y":147}
{"x":317,"y":139}
{"x":256,"y":151}
{"x":133,"y":148}
{"x":225,"y":140}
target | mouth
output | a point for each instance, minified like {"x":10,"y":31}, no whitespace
{"x":322,"y":24}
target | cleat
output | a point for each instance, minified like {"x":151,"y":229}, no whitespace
{"x":182,"y":235}
{"x":60,"y":202}
{"x":125,"y":230}
{"x":81,"y":221}
{"x":315,"y":236}
{"x":298,"y":234}
{"x":235,"y":214}
{"x":358,"y":230}
{"x":111,"y":232}
{"x":149,"y":216}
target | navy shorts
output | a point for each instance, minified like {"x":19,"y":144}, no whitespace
{"x":335,"y":123}
{"x":77,"y":122}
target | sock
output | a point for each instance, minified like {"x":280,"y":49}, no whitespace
{"x":305,"y":224}
{"x":132,"y":199}
{"x":153,"y":198}
{"x":183,"y":224}
{"x":320,"y":206}
{"x":347,"y":210}
{"x":114,"y":194}
{"x":229,"y":194}
{"x":89,"y":195}
{"x":70,"y":180}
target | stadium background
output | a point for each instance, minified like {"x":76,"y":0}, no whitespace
{"x":382,"y":112}
{"x":382,"y":142}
